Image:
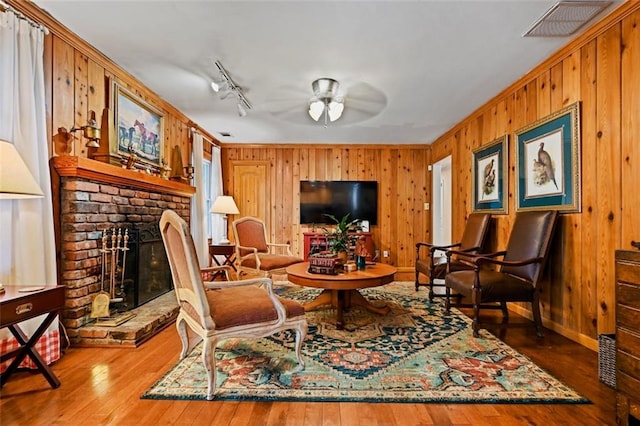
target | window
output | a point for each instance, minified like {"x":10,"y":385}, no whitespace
{"x":206,"y":178}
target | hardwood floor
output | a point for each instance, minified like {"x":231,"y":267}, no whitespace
{"x":103,"y":387}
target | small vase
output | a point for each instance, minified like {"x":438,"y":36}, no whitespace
{"x":361,"y":263}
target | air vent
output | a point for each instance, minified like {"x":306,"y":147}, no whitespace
{"x":565,"y":18}
{"x":225,"y":134}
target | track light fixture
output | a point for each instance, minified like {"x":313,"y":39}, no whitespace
{"x":225,"y":86}
{"x":325,"y":100}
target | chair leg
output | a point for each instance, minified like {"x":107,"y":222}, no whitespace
{"x":431,"y":292}
{"x":447,"y":299}
{"x":181,"y":326}
{"x":301,"y":333}
{"x":505,"y":312}
{"x":476,"y":320}
{"x":209,"y":362}
{"x":417,"y":282}
{"x":537,"y":318}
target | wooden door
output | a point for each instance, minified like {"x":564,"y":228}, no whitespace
{"x":251,"y":188}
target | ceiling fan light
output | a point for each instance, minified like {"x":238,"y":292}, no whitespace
{"x":315,"y":109}
{"x":215,"y":86}
{"x":335,"y":110}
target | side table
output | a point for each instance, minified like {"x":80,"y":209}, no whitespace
{"x":226,"y":250}
{"x":17,"y":306}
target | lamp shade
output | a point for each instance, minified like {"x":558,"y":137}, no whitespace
{"x":224,"y":204}
{"x":16,"y":181}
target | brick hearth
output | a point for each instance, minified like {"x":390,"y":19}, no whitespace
{"x":90,"y":197}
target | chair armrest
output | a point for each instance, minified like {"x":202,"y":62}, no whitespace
{"x":281,"y":245}
{"x":228,"y":271}
{"x":432,"y":248}
{"x":253,"y":250}
{"x":239,"y":283}
{"x":482,"y":259}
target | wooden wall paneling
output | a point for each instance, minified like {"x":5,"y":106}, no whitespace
{"x":589,"y":269}
{"x":289,"y":199}
{"x":96,"y":92}
{"x":353,"y":163}
{"x":630,"y":132}
{"x":544,"y":93}
{"x":63,"y":89}
{"x":420,"y":196}
{"x":81,"y":107}
{"x":387,"y":202}
{"x":345,"y":154}
{"x":311,"y":164}
{"x":407,"y":193}
{"x":297,"y":229}
{"x":336,"y":160}
{"x":608,"y":166}
{"x":572,"y":241}
{"x":458,"y":191}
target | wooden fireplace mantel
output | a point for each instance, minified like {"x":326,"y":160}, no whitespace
{"x":81,"y":167}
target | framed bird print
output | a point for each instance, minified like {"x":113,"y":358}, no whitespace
{"x":548,"y":162}
{"x":490,"y":176}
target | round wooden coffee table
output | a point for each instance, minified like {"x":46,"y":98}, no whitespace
{"x":341,"y":291}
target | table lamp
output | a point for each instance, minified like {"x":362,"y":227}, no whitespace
{"x":16,"y":181}
{"x":224,"y":205}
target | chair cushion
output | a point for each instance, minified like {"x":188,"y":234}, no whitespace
{"x":236,"y":306}
{"x":496,"y":286}
{"x":269,"y":262}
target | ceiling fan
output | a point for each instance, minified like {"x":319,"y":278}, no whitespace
{"x":329,"y":101}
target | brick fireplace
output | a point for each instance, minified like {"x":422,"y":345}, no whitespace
{"x":91,"y":197}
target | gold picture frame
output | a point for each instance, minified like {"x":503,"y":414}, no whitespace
{"x":138,"y":127}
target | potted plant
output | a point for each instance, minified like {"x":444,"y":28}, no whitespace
{"x":341,"y":238}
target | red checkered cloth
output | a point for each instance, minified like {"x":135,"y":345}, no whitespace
{"x":48,"y":346}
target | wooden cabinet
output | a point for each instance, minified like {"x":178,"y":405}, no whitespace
{"x":628,"y":336}
{"x":315,"y":242}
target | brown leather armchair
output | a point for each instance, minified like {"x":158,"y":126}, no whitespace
{"x":254,"y":254}
{"x":219,"y":310}
{"x":519,"y":273}
{"x":434,"y":266}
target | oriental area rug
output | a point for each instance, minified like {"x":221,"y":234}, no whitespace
{"x":417,"y":353}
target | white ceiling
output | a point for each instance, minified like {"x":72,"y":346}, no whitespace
{"x":410,"y":69}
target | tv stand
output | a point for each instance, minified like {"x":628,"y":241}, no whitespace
{"x":317,"y":241}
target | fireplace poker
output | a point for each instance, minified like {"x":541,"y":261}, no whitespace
{"x":115,"y":267}
{"x":113,"y":264}
{"x":125,"y":249}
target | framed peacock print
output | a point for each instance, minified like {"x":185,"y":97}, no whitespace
{"x":490,"y":176}
{"x":548,"y":162}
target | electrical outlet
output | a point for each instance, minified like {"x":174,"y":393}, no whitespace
{"x":426,"y":206}
{"x":385,"y":253}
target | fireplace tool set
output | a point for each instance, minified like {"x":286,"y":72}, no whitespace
{"x":114,"y":247}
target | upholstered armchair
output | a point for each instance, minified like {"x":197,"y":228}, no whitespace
{"x":517,"y":276}
{"x":254,"y":254}
{"x":217,"y":310}
{"x":432,"y":262}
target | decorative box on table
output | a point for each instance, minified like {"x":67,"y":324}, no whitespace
{"x":324,"y":263}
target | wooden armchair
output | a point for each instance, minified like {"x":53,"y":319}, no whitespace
{"x":434,"y":266}
{"x":519,"y":272}
{"x":254,"y":254}
{"x":222,"y":309}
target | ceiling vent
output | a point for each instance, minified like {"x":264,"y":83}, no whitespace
{"x":565,"y":18}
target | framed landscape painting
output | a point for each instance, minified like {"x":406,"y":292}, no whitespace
{"x":490,"y":176}
{"x":548,"y":162}
{"x":138,"y":127}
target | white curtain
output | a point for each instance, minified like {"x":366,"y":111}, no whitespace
{"x":27,"y":241}
{"x":217,"y":220}
{"x":198,"y":206}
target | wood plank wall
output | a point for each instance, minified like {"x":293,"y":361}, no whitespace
{"x":401,"y":173}
{"x":598,"y":69}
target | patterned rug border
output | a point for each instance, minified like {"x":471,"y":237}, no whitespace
{"x":465,"y":396}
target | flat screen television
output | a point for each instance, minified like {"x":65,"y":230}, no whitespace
{"x":317,"y":198}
